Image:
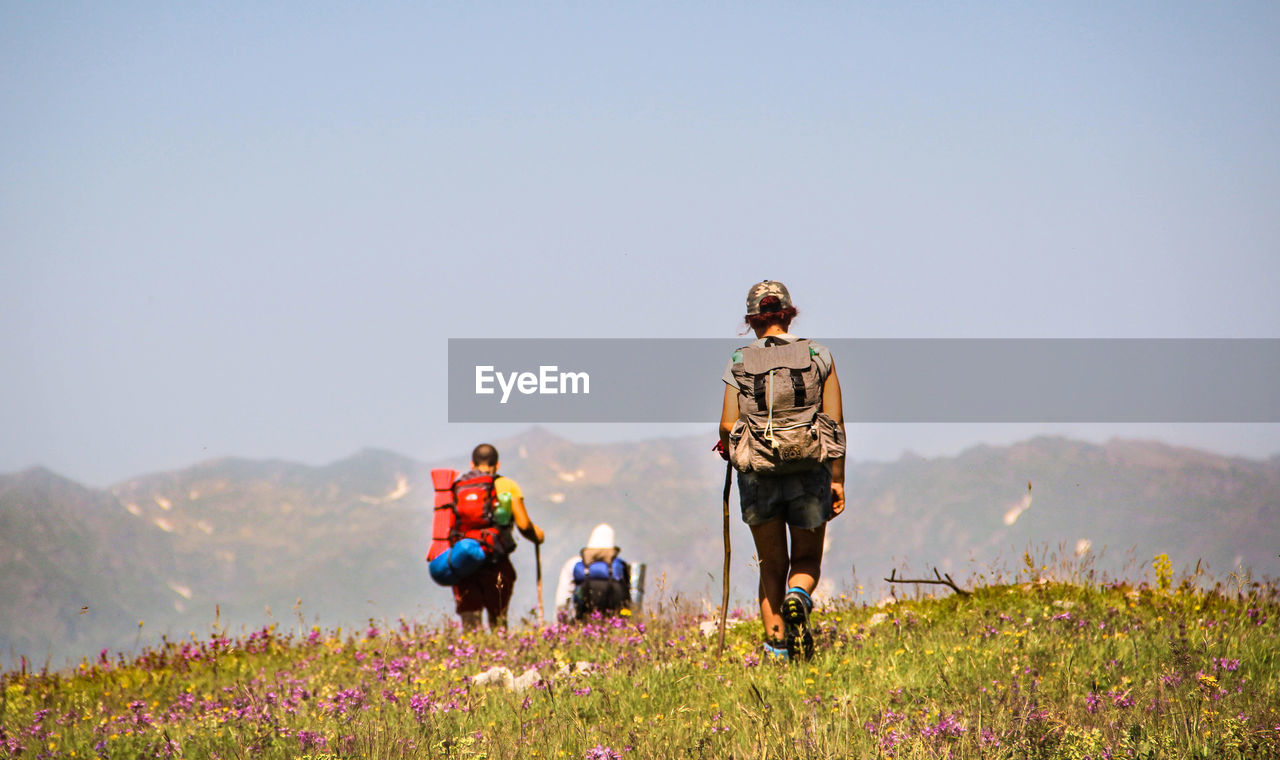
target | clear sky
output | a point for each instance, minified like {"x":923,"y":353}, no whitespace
{"x":248,"y":229}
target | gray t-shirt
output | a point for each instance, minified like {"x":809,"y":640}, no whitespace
{"x":821,"y":352}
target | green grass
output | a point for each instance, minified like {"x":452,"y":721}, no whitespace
{"x":1033,"y":670}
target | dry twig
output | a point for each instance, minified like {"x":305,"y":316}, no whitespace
{"x":941,"y":580}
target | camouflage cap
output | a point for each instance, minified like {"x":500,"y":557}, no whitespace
{"x":760,"y":290}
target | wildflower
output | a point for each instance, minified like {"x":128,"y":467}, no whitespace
{"x":1222,"y":663}
{"x":584,"y":691}
{"x":1164,"y":571}
{"x":420,"y":705}
{"x":601,"y":752}
{"x":946,"y":727}
{"x":717,"y":726}
{"x":890,"y":740}
{"x":1091,"y":702}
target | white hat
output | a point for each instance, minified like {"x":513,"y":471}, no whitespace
{"x":602,"y":537}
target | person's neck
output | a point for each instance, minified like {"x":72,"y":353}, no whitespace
{"x":770,"y":330}
{"x":490,"y":469}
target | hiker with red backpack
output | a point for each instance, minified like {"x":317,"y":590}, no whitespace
{"x":782,"y":429}
{"x":472,"y":539}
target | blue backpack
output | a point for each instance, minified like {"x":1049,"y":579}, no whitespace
{"x":603,"y":587}
{"x":617,"y":570}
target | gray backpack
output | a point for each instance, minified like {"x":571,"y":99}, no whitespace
{"x":781,"y":426}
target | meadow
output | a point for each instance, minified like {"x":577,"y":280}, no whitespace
{"x":1029,"y":668}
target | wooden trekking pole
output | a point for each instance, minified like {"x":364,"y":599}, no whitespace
{"x":724,"y":596}
{"x":537,"y":561}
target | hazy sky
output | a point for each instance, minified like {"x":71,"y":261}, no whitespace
{"x":249,"y":229}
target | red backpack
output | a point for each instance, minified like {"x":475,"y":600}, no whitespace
{"x":464,"y":508}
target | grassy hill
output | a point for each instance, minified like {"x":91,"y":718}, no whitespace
{"x":246,"y":541}
{"x":1038,"y":669}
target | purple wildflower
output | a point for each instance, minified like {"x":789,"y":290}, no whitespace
{"x":890,"y":740}
{"x":310,"y":738}
{"x":601,"y":752}
{"x":946,"y":727}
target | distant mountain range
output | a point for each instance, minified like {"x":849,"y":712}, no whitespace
{"x":246,"y":542}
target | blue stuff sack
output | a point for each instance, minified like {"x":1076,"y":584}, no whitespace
{"x":598,"y":570}
{"x":459,"y":561}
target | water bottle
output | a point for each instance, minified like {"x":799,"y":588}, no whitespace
{"x":502,"y":512}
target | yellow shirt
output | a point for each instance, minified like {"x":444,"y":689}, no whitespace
{"x":503,"y":484}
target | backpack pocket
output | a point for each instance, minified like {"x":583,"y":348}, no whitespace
{"x":791,"y":443}
{"x":786,"y":442}
{"x":831,"y":437}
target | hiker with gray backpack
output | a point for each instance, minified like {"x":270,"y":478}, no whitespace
{"x":782,"y":429}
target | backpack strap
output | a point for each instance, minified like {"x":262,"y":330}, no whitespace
{"x":797,"y":386}
{"x":491,"y":497}
{"x":758,"y":391}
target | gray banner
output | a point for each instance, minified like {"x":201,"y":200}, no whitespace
{"x":883,"y":380}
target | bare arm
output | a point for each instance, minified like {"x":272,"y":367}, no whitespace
{"x":523,"y":523}
{"x":728,"y":414}
{"x":833,"y":406}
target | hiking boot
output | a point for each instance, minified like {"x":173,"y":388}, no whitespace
{"x":776,"y":650}
{"x":796,"y":606}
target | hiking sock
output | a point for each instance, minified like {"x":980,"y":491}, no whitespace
{"x":796,"y":606}
{"x":776,"y":649}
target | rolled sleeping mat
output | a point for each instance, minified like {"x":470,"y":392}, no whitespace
{"x":459,"y":561}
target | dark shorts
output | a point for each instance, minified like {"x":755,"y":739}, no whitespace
{"x":803,"y":499}
{"x":488,"y":588}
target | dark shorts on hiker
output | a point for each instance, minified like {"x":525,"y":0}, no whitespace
{"x":488,"y":588}
{"x":803,"y":499}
